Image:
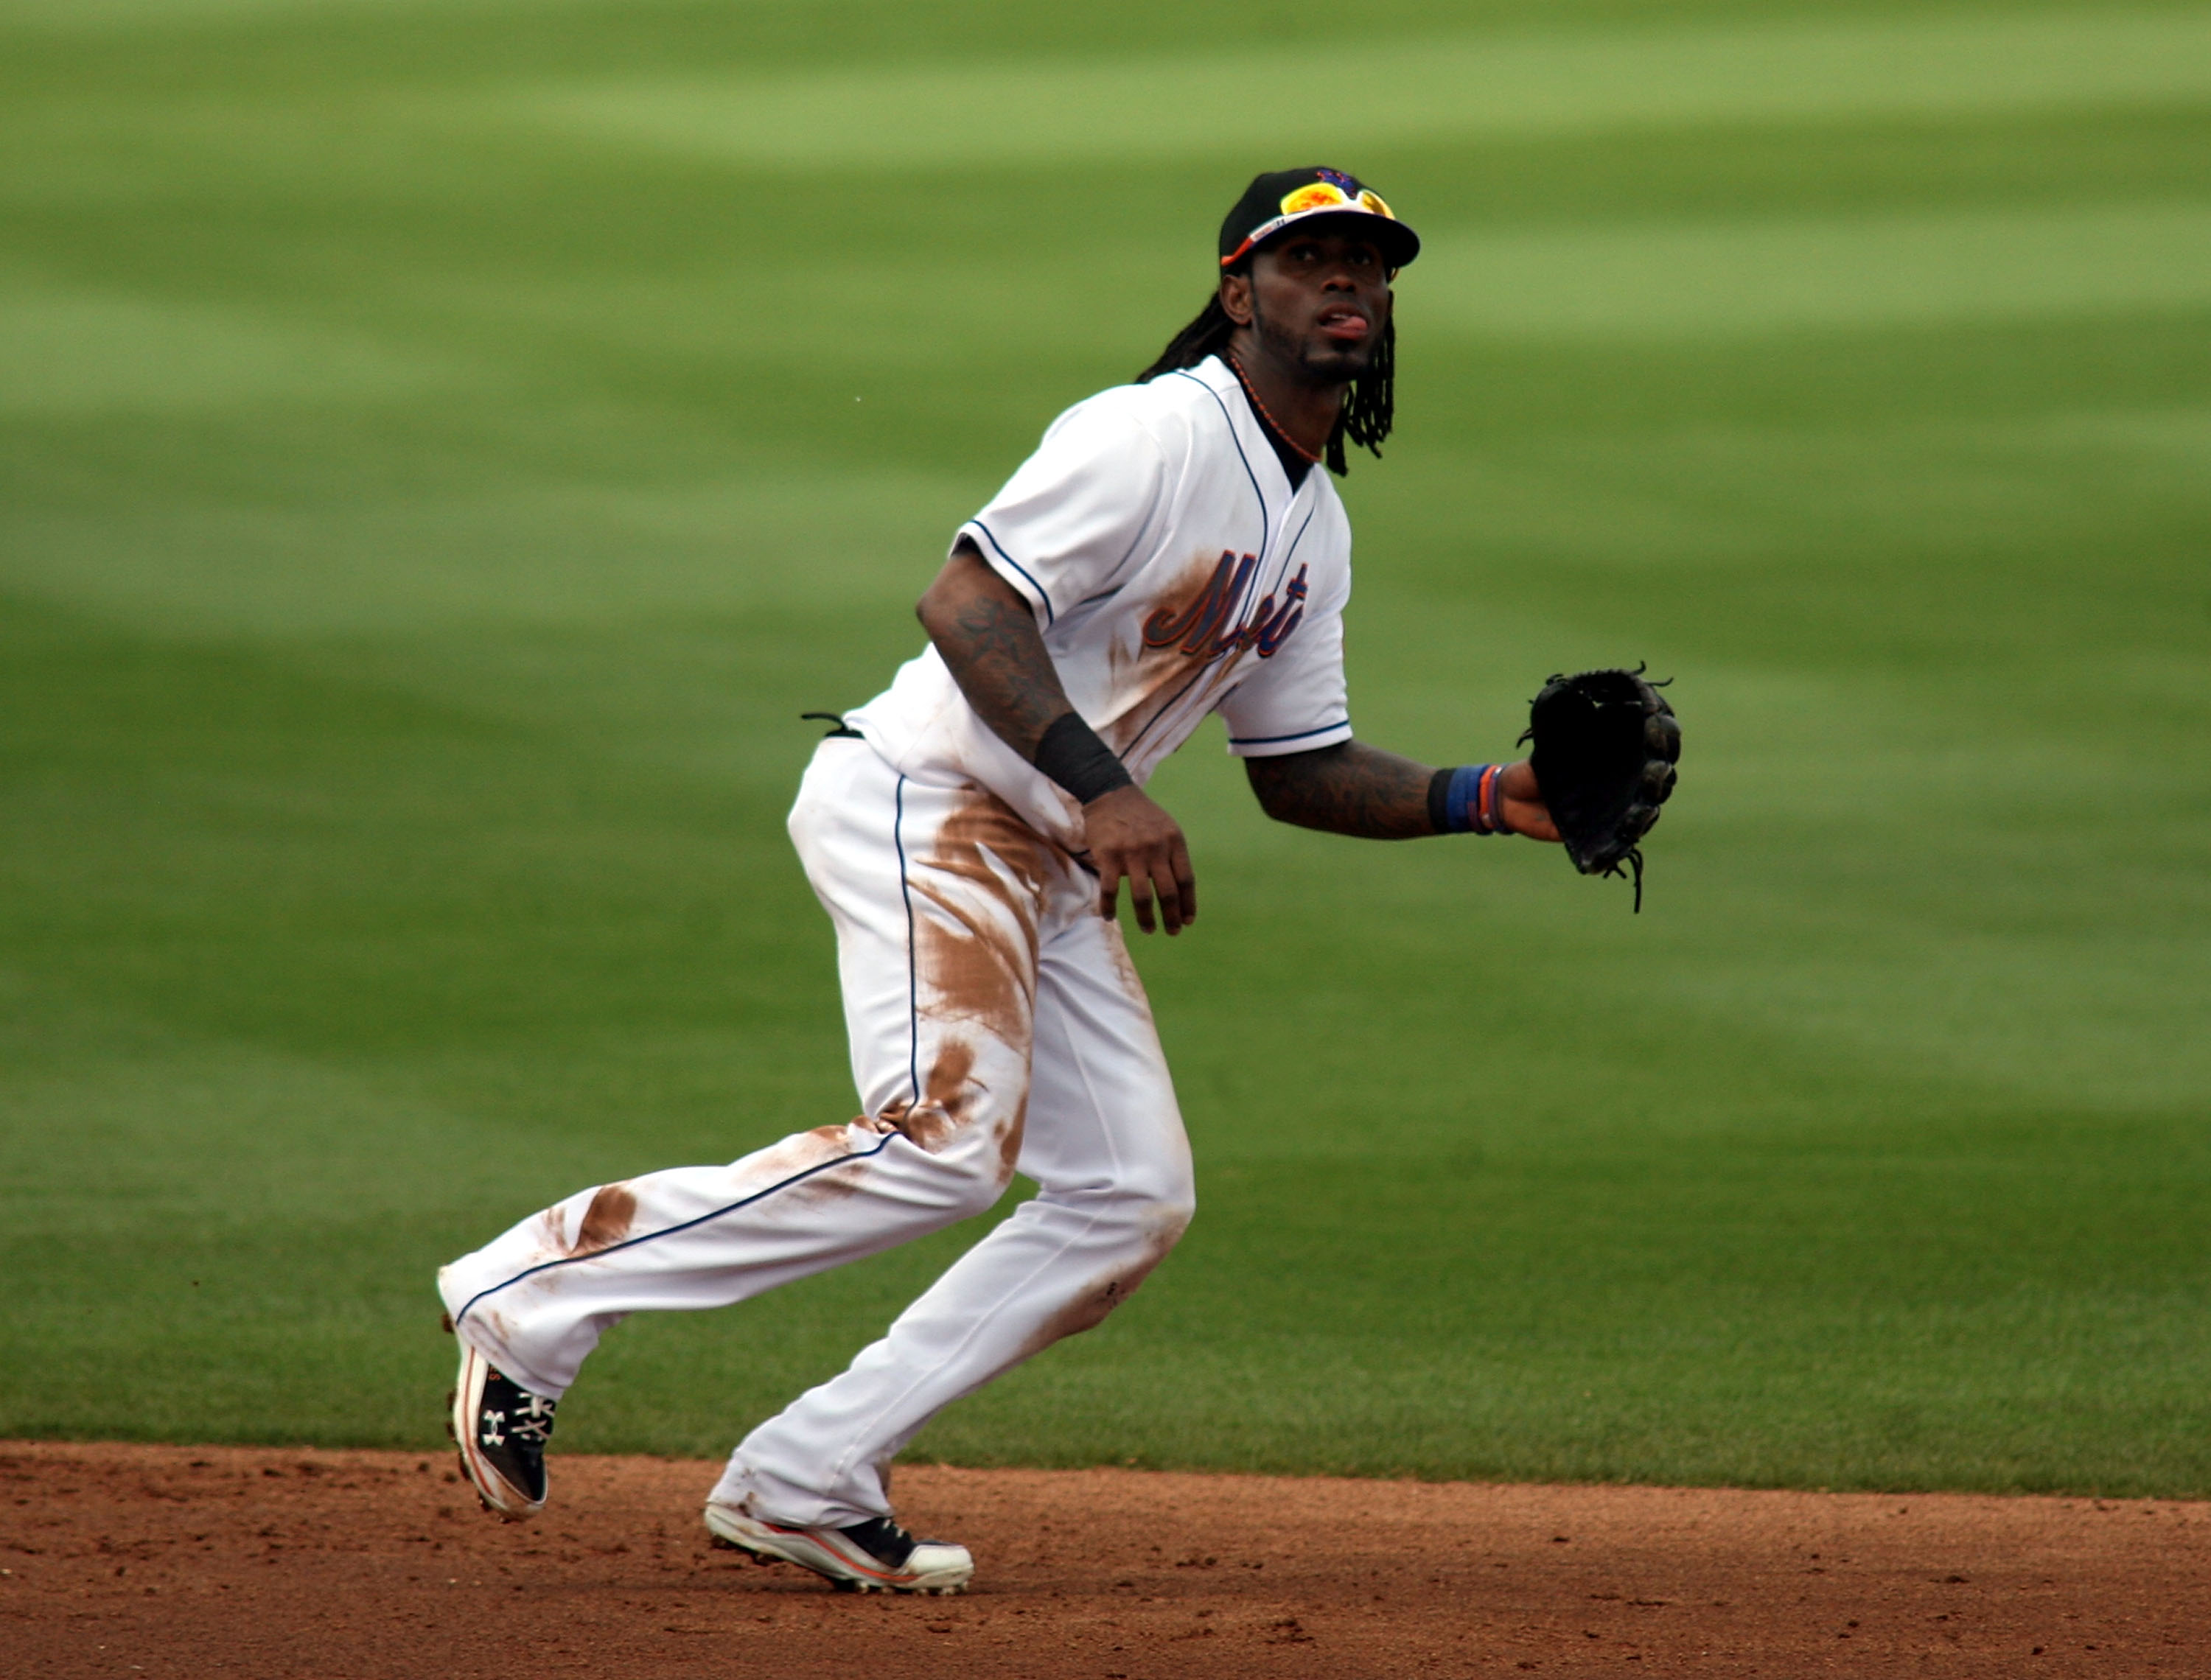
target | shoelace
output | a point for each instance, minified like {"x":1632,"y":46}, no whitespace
{"x":533,"y":1420}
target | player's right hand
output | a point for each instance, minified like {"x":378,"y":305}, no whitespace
{"x":1131,"y":836}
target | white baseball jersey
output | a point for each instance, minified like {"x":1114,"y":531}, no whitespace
{"x":1174,"y":571}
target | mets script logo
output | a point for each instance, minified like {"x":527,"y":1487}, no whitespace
{"x":1208,"y":627}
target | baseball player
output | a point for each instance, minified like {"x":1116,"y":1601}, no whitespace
{"x":1169,"y":551}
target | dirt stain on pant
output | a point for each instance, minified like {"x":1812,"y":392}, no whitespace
{"x":606,"y":1221}
{"x":978,"y":964}
{"x":1097,"y":1299}
{"x":816,"y":1147}
{"x":947,"y":1096}
{"x":1010,"y":1132}
{"x":988,"y":875}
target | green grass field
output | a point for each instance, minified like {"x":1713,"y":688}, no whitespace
{"x":445,"y":445}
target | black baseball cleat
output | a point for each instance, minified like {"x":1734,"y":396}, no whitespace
{"x":873,"y":1557}
{"x":502,"y":1429}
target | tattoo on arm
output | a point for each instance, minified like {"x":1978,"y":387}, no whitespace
{"x":1348,"y":788}
{"x":989,"y":637}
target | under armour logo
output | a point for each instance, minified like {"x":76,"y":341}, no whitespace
{"x":492,"y":1419}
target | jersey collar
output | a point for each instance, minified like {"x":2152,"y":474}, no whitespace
{"x":1259,"y":440}
{"x":1296,"y":464}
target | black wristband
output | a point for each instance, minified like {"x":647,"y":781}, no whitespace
{"x":1071,"y":754}
{"x":1439,"y":799}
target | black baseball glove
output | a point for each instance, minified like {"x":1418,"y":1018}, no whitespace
{"x":1605,"y":743}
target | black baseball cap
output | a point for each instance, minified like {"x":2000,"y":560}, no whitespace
{"x":1272,"y":202}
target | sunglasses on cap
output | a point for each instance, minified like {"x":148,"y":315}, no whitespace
{"x":1274,"y":201}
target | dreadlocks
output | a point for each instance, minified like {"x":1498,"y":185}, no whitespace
{"x":1207,"y":336}
{"x":1368,"y":407}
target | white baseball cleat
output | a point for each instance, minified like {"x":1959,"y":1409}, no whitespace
{"x":873,"y":1557}
{"x":501,"y":1429}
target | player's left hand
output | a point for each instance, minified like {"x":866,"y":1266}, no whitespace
{"x":1523,"y":800}
{"x":1130,"y":835}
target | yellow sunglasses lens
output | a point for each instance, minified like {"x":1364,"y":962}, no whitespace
{"x":1317,"y":196}
{"x":1372,"y":201}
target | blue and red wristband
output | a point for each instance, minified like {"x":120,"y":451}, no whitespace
{"x":1469,"y":799}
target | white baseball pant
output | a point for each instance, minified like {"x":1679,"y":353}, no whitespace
{"x":996,"y":1023}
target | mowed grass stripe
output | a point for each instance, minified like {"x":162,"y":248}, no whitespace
{"x":104,"y":16}
{"x":70,"y":351}
{"x":1404,"y":93}
{"x":1917,"y":269}
{"x":64,"y":351}
{"x":2052,"y":495}
{"x":544,"y":552}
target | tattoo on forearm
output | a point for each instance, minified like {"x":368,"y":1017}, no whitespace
{"x":999,"y":661}
{"x":1348,"y":788}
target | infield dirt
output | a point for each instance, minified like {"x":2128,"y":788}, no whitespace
{"x":123,"y":1560}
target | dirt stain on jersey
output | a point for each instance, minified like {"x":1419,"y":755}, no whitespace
{"x":1155,"y":676}
{"x":1097,"y":1299}
{"x":606,"y":1221}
